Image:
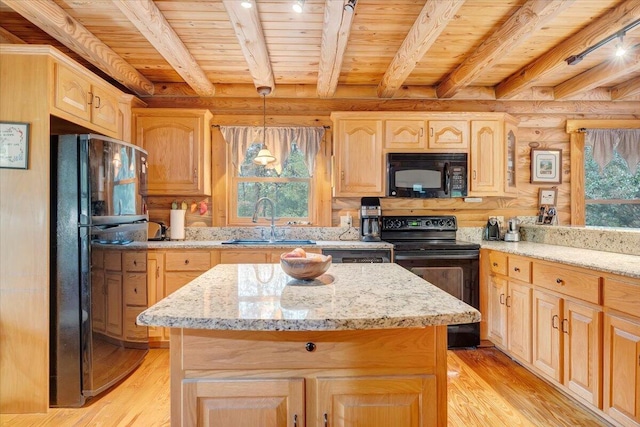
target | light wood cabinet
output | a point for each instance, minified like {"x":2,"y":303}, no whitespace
{"x":493,"y":158}
{"x":448,"y":136}
{"x":86,"y":99}
{"x":309,"y":378}
{"x":179,"y":145}
{"x":519,"y":320}
{"x":168,"y":271}
{"x":237,"y":403}
{"x":113,"y":290}
{"x":359,"y":163}
{"x":134,"y":274}
{"x":404,"y":135}
{"x":497,"y":311}
{"x":252,"y":256}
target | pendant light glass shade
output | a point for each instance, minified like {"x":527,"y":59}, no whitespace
{"x":264,"y":156}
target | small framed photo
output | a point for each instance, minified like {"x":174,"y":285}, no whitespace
{"x":548,"y":196}
{"x":14,"y":145}
{"x":546,"y":166}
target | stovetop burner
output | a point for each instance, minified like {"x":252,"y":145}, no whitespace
{"x":423,"y":233}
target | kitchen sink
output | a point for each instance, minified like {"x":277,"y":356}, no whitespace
{"x":267,"y":242}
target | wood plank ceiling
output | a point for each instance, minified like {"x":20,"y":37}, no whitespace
{"x":379,"y":49}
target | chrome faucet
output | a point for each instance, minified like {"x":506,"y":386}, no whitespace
{"x":273,"y":216}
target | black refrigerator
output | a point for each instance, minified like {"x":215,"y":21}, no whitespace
{"x":97,"y":203}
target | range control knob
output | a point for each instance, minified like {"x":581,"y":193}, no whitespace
{"x":451,"y":223}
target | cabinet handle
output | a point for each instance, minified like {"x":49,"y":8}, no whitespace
{"x":98,"y":101}
{"x":90,"y":98}
{"x":474,"y":175}
{"x":508,"y":306}
{"x":158,"y":271}
{"x":502,"y":299}
{"x":195,"y":174}
{"x":566,"y":331}
{"x":431,"y":132}
{"x":342,"y":175}
{"x":310,"y":346}
{"x":326,"y":420}
{"x":295,"y":420}
{"x":516,"y":269}
{"x":554,"y":321}
{"x":559,"y":281}
{"x":495,"y":264}
{"x":186,"y":261}
{"x":421,"y":131}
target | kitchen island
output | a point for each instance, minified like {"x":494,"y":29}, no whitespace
{"x":252,"y":346}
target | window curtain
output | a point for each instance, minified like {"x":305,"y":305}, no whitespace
{"x":278,"y":140}
{"x":605,"y":142}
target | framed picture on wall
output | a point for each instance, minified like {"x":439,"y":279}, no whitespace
{"x":546,"y":166}
{"x":14,"y":145}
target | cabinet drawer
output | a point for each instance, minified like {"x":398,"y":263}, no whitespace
{"x":135,"y":289}
{"x":622,"y":295}
{"x":575,"y":283}
{"x":187,"y":261}
{"x":203,"y":349}
{"x":498,"y":262}
{"x":97,"y":258}
{"x":133,"y":331}
{"x":520,"y":268}
{"x":113,"y":261}
{"x":134,"y":261}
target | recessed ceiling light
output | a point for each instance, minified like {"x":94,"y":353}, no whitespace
{"x":246,"y":4}
{"x":298,"y":5}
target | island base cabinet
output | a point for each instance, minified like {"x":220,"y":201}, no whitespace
{"x":373,"y":378}
{"x":243,"y":403}
{"x":376,"y":402}
{"x":622,"y":370}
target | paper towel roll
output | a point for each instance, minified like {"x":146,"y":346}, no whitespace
{"x":177,"y":224}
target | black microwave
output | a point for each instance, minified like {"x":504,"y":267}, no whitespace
{"x":427,"y":175}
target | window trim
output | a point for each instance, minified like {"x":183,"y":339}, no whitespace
{"x":576,"y":130}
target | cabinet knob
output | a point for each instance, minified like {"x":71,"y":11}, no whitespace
{"x":310,"y":346}
{"x":135,"y":290}
{"x":495,"y":264}
{"x":516,"y":269}
{"x":135,"y":262}
{"x":559,"y":281}
{"x":186,"y":261}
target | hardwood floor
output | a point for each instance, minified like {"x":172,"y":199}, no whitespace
{"x":486,"y":388}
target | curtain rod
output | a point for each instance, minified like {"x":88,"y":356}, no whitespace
{"x":324,"y":126}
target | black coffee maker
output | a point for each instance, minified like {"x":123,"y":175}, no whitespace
{"x":370,"y":217}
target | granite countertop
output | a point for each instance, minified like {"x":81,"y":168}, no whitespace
{"x":261,"y":297}
{"x":610,"y":262}
{"x":217,"y":244}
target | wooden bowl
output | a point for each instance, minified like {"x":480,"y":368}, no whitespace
{"x":307,"y":268}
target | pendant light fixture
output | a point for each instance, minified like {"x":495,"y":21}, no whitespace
{"x":264,"y":156}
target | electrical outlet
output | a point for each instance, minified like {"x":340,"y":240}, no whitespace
{"x":345,"y":220}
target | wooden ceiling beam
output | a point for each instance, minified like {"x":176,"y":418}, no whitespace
{"x":52,"y":19}
{"x":10,"y":38}
{"x":150,"y":21}
{"x":433,"y":19}
{"x":519,"y":27}
{"x":248,"y":29}
{"x":626,"y":90}
{"x":335,"y":34}
{"x":554,"y":59}
{"x":599,"y":75}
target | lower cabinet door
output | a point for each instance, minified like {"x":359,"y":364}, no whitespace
{"x":243,"y":403}
{"x":519,"y":321}
{"x":547,"y":324}
{"x":376,"y":401}
{"x":622,"y":370}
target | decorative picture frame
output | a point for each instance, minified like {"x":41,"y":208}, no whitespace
{"x":547,"y":200}
{"x":548,"y":196}
{"x":14,"y":145}
{"x":546,"y":166}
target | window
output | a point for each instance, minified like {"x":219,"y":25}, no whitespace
{"x":605,"y":183}
{"x":289,"y":183}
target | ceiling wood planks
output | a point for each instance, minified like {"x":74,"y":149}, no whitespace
{"x":431,"y":22}
{"x":624,"y":14}
{"x":336,"y":28}
{"x":627,"y":89}
{"x":7,"y":37}
{"x":248,"y":29}
{"x":58,"y":24}
{"x":150,"y":21}
{"x":518,"y":28}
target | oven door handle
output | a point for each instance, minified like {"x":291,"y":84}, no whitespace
{"x":447,"y":178}
{"x":450,"y":255}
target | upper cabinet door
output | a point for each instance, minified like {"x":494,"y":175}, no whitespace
{"x":448,"y":135}
{"x":404,"y":135}
{"x":179,"y":147}
{"x":72,"y":93}
{"x":359,"y":160}
{"x":485,"y":158}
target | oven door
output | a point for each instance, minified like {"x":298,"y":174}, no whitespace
{"x":458,"y":277}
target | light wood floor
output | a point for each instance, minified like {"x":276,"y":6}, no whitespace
{"x":485,"y":389}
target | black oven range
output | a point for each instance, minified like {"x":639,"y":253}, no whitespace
{"x":427,"y":246}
